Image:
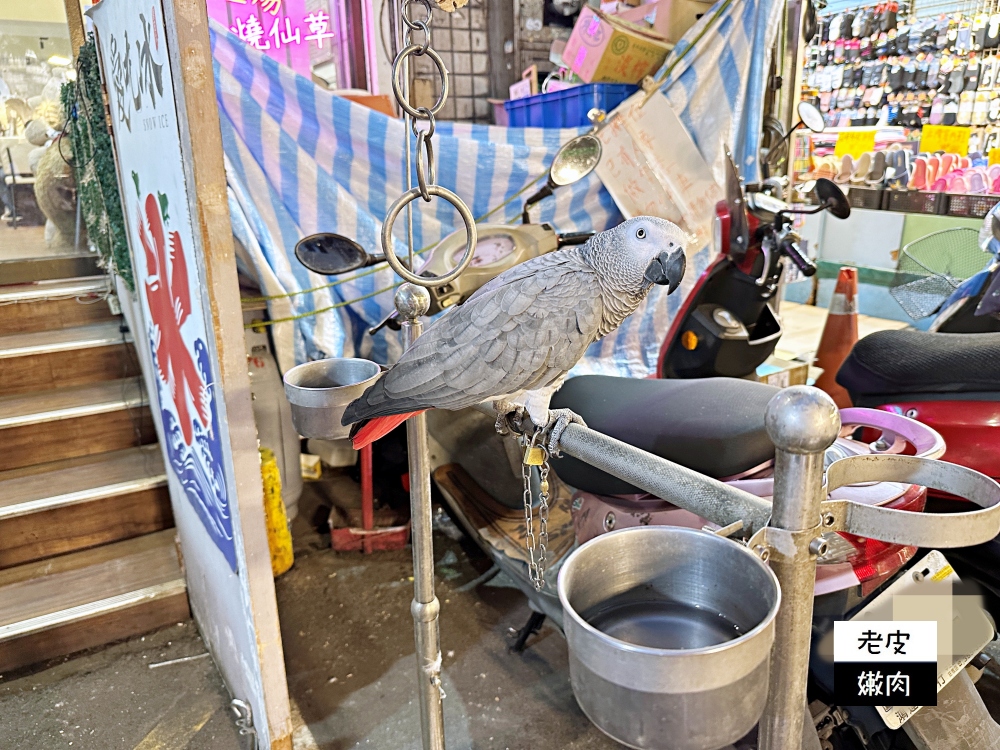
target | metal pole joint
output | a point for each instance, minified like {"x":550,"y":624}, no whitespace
{"x":425,"y":611}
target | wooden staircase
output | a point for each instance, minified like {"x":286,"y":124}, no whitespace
{"x":87,"y":549}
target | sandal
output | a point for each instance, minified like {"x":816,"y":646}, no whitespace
{"x":846,"y":170}
{"x":862,"y":167}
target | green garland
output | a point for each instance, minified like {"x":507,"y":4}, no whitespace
{"x":94,"y":164}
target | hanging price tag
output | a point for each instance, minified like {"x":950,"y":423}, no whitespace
{"x":854,"y":143}
{"x":952,"y":139}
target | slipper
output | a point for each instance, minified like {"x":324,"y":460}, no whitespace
{"x":947,"y":162}
{"x":918,"y":179}
{"x":977,"y":184}
{"x":995,"y":187}
{"x":964,"y":162}
{"x":958,"y":184}
{"x":933,"y":168}
{"x":862,"y":167}
{"x":876,"y":175}
{"x":899,"y":175}
{"x":940,"y":185}
{"x":846,"y":170}
{"x":993,"y":171}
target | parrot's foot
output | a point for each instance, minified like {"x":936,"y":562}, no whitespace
{"x":558,"y":421}
{"x":510,"y":417}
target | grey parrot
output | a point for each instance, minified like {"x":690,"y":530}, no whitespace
{"x":514,"y":340}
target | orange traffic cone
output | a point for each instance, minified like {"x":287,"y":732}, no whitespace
{"x":840,"y":334}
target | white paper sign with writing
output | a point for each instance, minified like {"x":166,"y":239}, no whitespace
{"x":651,"y":166}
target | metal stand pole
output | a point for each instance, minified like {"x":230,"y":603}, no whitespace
{"x":802,"y":422}
{"x":412,"y":302}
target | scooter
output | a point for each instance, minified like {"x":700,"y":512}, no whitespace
{"x":728,"y":326}
{"x":948,"y":377}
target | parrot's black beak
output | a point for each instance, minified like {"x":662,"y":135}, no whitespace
{"x":666,"y":269}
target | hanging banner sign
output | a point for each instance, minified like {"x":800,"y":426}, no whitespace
{"x":854,"y":143}
{"x":140,"y":90}
{"x":952,"y":139}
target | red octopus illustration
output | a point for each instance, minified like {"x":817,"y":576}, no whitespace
{"x":169,"y":298}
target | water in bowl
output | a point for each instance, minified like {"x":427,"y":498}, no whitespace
{"x":645,"y":618}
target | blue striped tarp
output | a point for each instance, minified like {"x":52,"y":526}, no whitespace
{"x":300,"y":160}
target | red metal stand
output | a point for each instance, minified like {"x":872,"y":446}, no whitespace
{"x":368,"y":538}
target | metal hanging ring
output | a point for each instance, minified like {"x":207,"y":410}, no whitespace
{"x":470,"y":231}
{"x":397,"y":86}
{"x":424,"y":114}
{"x":425,"y":165}
{"x":414,"y":24}
{"x":422,"y":26}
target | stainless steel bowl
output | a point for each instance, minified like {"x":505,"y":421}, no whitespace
{"x":670,"y":633}
{"x":320,"y":391}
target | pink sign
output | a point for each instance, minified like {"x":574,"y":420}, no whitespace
{"x":282,"y":29}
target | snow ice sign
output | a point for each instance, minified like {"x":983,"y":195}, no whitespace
{"x":885,"y":663}
{"x":133,"y":48}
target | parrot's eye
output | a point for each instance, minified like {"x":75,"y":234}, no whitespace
{"x":640,"y":233}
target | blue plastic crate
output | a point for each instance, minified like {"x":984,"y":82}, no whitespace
{"x":567,"y":108}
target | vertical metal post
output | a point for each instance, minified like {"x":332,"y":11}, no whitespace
{"x":413,"y":301}
{"x":802,"y":422}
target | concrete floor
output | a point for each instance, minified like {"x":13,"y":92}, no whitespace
{"x":348,"y":639}
{"x":109,"y":699}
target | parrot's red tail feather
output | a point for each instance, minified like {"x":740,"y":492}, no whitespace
{"x":379,"y":427}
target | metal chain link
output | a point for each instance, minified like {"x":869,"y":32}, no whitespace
{"x":536,"y":547}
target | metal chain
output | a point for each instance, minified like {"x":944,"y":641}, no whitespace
{"x":427,"y":188}
{"x":536,"y":454}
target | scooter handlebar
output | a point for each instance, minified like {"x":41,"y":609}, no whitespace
{"x":573,"y":238}
{"x":791,"y":249}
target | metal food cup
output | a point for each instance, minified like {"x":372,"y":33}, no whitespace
{"x":669,"y":632}
{"x":320,"y":391}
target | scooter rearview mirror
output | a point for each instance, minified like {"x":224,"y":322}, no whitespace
{"x":575,"y":160}
{"x":330,"y":254}
{"x":811,"y":116}
{"x":995,"y":226}
{"x":832,"y":198}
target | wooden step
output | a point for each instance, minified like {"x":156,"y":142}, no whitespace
{"x":51,"y":305}
{"x":86,"y":599}
{"x":54,"y":508}
{"x":63,"y":266}
{"x":44,"y":360}
{"x":84,"y":420}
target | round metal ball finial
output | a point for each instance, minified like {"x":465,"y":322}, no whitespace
{"x":802,"y":419}
{"x":412,"y":301}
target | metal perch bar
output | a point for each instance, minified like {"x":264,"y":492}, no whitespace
{"x":687,"y":489}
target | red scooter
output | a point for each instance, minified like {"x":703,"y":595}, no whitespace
{"x":727,"y":325}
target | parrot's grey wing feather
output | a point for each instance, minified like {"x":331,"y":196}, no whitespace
{"x":527,"y":330}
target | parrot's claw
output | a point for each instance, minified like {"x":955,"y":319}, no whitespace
{"x":559,"y":420}
{"x":510,"y":417}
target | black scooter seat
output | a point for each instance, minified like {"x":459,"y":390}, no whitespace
{"x":714,"y":426}
{"x":898,"y":362}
